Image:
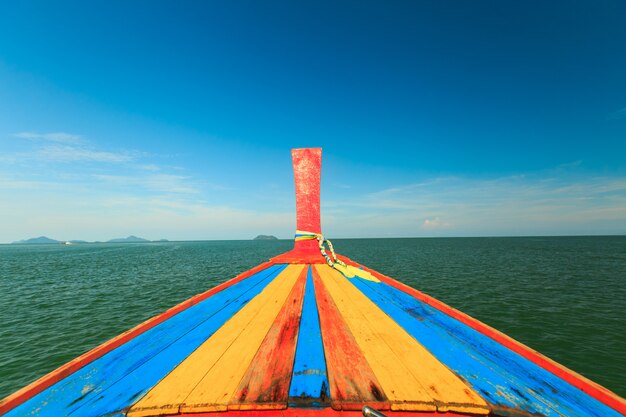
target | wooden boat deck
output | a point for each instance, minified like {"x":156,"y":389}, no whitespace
{"x":297,"y":337}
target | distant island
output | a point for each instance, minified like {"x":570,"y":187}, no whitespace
{"x":265,"y":237}
{"x":44,"y":240}
{"x":41,"y":240}
{"x":129,"y":239}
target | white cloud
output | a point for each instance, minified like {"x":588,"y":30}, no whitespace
{"x":8,"y":183}
{"x":434,"y":223}
{"x":74,"y":154}
{"x":149,"y":167}
{"x":61,"y":147}
{"x":60,"y":137}
{"x":163,"y":183}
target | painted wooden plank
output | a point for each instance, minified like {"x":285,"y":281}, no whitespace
{"x":410,"y":375}
{"x":94,"y":382}
{"x":352,"y":381}
{"x":234,"y":363}
{"x":495,"y":387}
{"x":612,"y":401}
{"x":265,"y":385}
{"x":309,"y":382}
{"x":206,"y":380}
{"x":504,"y":378}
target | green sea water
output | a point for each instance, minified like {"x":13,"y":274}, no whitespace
{"x":563,"y":296}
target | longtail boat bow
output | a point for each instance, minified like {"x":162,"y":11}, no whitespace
{"x":312,"y":333}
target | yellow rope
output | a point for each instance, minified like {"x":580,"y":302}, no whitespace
{"x":302,"y":235}
{"x":348,"y":271}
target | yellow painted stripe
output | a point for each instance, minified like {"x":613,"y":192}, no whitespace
{"x":207,"y":379}
{"x":218,"y":386}
{"x":411,"y":377}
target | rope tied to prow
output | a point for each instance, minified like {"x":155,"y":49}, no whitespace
{"x":321,"y":241}
{"x":348,"y":271}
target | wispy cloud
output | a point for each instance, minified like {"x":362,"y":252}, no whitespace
{"x":163,"y":183}
{"x":149,"y":167}
{"x":92,"y":192}
{"x":62,"y":147}
{"x":101,"y":217}
{"x":534,"y":203}
{"x":10,"y":183}
{"x":70,"y":187}
{"x":73,"y":154}
{"x":60,"y":137}
{"x":620,"y":114}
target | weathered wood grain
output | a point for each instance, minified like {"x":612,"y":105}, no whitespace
{"x":412,"y":377}
{"x":265,"y":384}
{"x":352,"y":382}
{"x":206,"y":380}
{"x":309,"y":382}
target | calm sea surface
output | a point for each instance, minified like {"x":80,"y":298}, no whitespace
{"x":565,"y":296}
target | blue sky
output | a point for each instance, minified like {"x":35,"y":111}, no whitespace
{"x":175,"y":119}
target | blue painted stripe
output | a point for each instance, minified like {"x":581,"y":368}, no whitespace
{"x":309,"y":382}
{"x":501,"y":376}
{"x":112,"y":382}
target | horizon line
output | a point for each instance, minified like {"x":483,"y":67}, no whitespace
{"x":164,"y":240}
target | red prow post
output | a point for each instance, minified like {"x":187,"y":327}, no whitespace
{"x":307,"y":167}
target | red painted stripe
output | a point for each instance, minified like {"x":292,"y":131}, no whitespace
{"x":55,"y":376}
{"x":266,"y":382}
{"x":298,"y":256}
{"x":589,"y":387}
{"x":321,"y":412}
{"x":352,"y":381}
